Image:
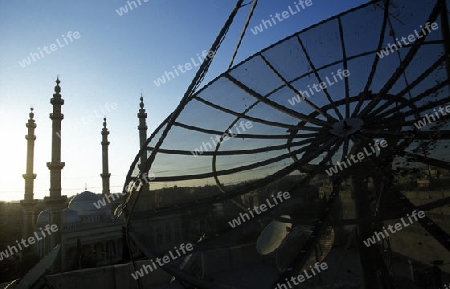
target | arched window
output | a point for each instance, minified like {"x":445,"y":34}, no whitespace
{"x":110,"y":250}
{"x":168,"y":233}
{"x":177,"y":232}
{"x":159,"y":239}
{"x":99,"y":254}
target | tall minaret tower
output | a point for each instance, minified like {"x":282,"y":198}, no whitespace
{"x":151,"y":197}
{"x":28,"y":203}
{"x":105,"y":172}
{"x":55,"y":166}
{"x":142,"y":115}
{"x":56,"y":202}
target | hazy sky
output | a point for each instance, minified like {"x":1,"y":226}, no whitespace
{"x":104,"y":66}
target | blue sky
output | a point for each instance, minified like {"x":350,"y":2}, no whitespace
{"x":104,"y":71}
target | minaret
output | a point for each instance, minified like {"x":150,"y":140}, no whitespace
{"x":28,"y":203}
{"x":56,"y":202}
{"x":55,"y":166}
{"x":142,"y":115}
{"x":151,"y":197}
{"x":105,"y":172}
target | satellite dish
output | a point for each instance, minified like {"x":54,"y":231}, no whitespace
{"x":37,"y":271}
{"x":290,"y":247}
{"x":295,"y":240}
{"x":272,"y":236}
{"x":12,"y":284}
{"x":364,"y":92}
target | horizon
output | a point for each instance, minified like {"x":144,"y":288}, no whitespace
{"x":114,"y":60}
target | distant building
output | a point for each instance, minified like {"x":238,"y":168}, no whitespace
{"x":89,"y":235}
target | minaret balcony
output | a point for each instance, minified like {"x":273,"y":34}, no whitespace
{"x":29,"y":176}
{"x":28,"y":203}
{"x":57,"y":100}
{"x":55,"y":166}
{"x":56,"y":116}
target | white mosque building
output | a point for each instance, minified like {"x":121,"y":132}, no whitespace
{"x":89,"y":236}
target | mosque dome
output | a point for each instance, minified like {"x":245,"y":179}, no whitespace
{"x":69,"y":216}
{"x":43,"y":218}
{"x":90,"y":207}
{"x":70,"y":219}
{"x":117,"y":212}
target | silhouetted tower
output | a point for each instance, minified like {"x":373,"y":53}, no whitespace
{"x":28,"y":203}
{"x":56,"y":202}
{"x":105,"y":171}
{"x":142,"y":115}
{"x":150,"y":198}
{"x":55,"y":166}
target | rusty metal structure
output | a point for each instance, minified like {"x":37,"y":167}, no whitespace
{"x":313,"y":107}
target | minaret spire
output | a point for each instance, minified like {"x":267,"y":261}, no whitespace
{"x":30,"y":176}
{"x":55,"y":166}
{"x":55,"y":202}
{"x":28,"y":202}
{"x":105,"y":172}
{"x":142,"y":115}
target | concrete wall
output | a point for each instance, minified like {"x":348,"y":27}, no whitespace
{"x":215,"y":263}
{"x":111,"y":277}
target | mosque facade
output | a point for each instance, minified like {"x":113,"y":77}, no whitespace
{"x":90,"y":236}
